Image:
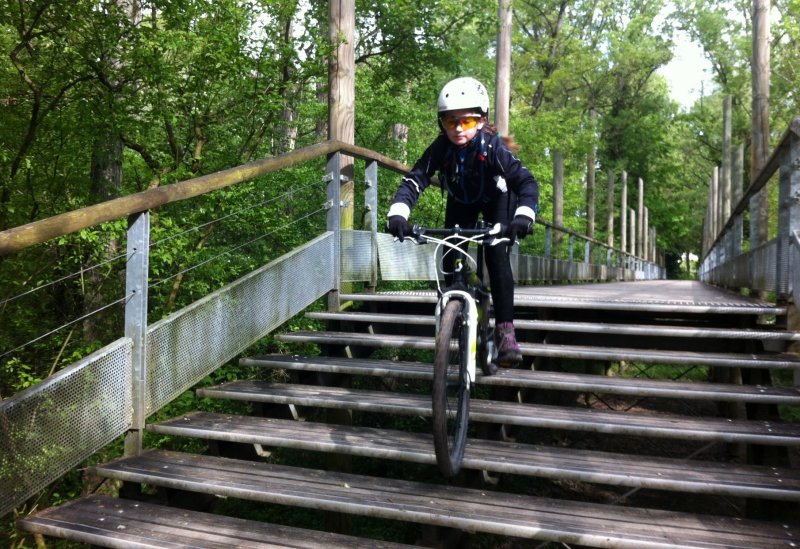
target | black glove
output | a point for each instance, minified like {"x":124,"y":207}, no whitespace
{"x":519,"y":227}
{"x":398,"y":227}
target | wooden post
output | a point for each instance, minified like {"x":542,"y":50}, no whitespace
{"x":737,"y":176}
{"x":640,"y":218}
{"x":341,"y":115}
{"x":503,"y":68}
{"x":708,"y":227}
{"x":623,"y":217}
{"x":653,"y":256}
{"x":590,"y":181}
{"x":558,"y":193}
{"x":610,"y":208}
{"x":341,"y":110}
{"x":633,"y":232}
{"x":759,"y":152}
{"x":645,"y":236}
{"x":717,"y":204}
{"x":737,"y":180}
{"x":725,"y":171}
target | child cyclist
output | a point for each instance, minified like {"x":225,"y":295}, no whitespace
{"x":482,"y":177}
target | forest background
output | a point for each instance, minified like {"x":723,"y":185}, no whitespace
{"x":106,"y":98}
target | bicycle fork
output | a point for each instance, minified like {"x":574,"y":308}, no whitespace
{"x":471,"y":311}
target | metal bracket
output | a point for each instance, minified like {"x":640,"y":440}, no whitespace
{"x":328,"y":177}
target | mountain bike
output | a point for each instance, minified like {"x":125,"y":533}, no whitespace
{"x":464,"y":339}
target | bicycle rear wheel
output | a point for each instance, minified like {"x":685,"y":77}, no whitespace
{"x":450,"y":394}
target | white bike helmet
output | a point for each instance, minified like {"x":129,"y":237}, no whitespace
{"x":463,"y":93}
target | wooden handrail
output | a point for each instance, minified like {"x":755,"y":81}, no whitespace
{"x":18,"y":238}
{"x":24,"y":236}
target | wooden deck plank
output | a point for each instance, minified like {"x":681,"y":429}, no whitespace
{"x":575,"y":327}
{"x":528,"y":415}
{"x":119,"y":523}
{"x":678,"y":293}
{"x":609,"y":354}
{"x":531,"y":379}
{"x":632,"y":471}
{"x":664,"y":296}
{"x":469,"y":509}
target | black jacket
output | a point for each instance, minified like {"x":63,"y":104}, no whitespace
{"x":469,"y":174}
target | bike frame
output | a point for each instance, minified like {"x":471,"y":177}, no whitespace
{"x":462,"y":288}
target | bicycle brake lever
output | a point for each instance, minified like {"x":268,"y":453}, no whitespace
{"x":417,"y":235}
{"x":500,"y":240}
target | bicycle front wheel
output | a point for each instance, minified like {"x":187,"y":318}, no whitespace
{"x":450,"y":395}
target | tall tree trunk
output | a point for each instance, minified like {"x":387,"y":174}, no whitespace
{"x":105,"y":184}
{"x":106,"y":172}
{"x":288,"y":135}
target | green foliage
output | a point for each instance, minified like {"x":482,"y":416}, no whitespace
{"x":190,"y":88}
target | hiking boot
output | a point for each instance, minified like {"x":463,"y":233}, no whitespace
{"x":508,"y":353}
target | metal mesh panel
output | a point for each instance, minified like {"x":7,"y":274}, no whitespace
{"x":764,"y":265}
{"x":50,"y":428}
{"x":356,"y":252}
{"x":188,"y":345}
{"x":794,"y":271}
{"x":405,"y":260}
{"x":409,"y":261}
{"x":756,"y":269}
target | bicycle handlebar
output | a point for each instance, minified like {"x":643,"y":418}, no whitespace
{"x":497,"y":231}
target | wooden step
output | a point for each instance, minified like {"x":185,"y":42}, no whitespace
{"x":600,"y":354}
{"x":530,"y":379}
{"x":575,"y":327}
{"x":495,"y":456}
{"x":526,"y":415}
{"x":473,"y":510}
{"x":110,"y":522}
{"x":555,"y":298}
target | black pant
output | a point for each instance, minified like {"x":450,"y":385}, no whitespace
{"x":498,"y":264}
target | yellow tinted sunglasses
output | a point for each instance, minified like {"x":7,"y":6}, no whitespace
{"x":465,"y":122}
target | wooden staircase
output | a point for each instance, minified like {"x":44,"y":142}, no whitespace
{"x":666,"y":449}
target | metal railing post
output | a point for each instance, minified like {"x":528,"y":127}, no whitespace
{"x":571,"y":243}
{"x":371,"y":218}
{"x":333,"y":178}
{"x":136,"y":278}
{"x":548,"y":242}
